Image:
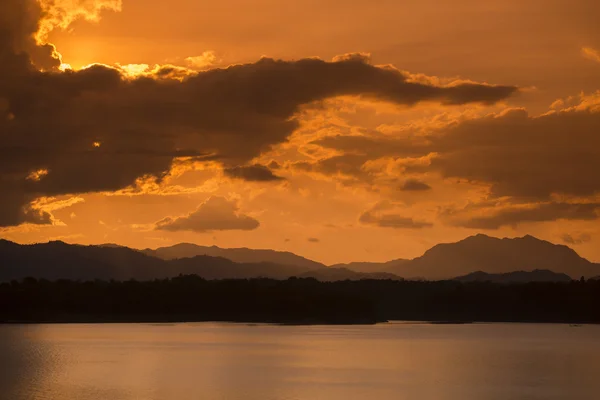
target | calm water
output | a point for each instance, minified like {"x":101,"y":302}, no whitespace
{"x":228,"y":361}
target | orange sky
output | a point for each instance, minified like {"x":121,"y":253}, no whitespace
{"x":334,"y":171}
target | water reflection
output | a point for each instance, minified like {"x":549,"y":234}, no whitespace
{"x":228,"y":361}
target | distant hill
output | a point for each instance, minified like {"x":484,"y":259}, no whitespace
{"x":489,"y":255}
{"x":497,"y":256}
{"x":59,"y":260}
{"x":515,"y":277}
{"x":369,"y":267}
{"x":239,"y":255}
{"x":342,"y":274}
{"x":209,"y":267}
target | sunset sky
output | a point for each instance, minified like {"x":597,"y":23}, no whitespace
{"x":338,"y":130}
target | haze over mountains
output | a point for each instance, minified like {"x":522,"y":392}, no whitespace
{"x":477,"y":257}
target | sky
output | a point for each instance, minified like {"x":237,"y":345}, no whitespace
{"x":340,"y":131}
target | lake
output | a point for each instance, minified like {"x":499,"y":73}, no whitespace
{"x":236,"y":361}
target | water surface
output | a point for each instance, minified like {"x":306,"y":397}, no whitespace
{"x":234,"y":361}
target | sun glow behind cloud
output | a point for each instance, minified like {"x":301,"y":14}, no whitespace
{"x":60,"y":14}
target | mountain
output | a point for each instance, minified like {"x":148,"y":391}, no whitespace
{"x":515,"y":277}
{"x":488,"y":255}
{"x":240,"y":255}
{"x":343,"y":274}
{"x":496,"y":256}
{"x":369,"y":267}
{"x":59,"y":260}
{"x":209,"y":267}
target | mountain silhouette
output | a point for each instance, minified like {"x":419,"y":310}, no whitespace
{"x":496,"y":256}
{"x":515,"y":277}
{"x":480,"y":253}
{"x":58,"y":260}
{"x":485,"y":254}
{"x":239,"y":255}
{"x":341,"y":274}
{"x":392,"y":267}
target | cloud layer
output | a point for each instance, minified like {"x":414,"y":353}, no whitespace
{"x":534,"y":168}
{"x":100,"y":129}
{"x":386,"y":214}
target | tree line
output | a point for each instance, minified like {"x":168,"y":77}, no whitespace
{"x":297,"y":301}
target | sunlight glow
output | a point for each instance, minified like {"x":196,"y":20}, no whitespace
{"x":38,"y":175}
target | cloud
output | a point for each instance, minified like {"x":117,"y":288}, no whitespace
{"x":62,"y":13}
{"x":51,"y":120}
{"x":591,"y":54}
{"x":252,"y":173}
{"x":215,"y":214}
{"x":385,"y":215}
{"x":523,"y":156}
{"x":203,"y":61}
{"x":414,"y":185}
{"x":549,"y":161}
{"x":313,"y":240}
{"x":496,"y":215}
{"x":577,"y":238}
{"x":145,"y":118}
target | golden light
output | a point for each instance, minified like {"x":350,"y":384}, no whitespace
{"x":134,"y":70}
{"x":97,"y":144}
{"x":37,"y":176}
{"x":205,"y":60}
{"x":591,"y":54}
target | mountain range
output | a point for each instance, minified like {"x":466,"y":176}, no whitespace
{"x":539,"y":275}
{"x":240,"y":255}
{"x":486,"y":254}
{"x":478,"y":257}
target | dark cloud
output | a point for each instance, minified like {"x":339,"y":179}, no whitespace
{"x":252,"y":173}
{"x":524,"y":156}
{"x":515,"y":214}
{"x":274,"y":165}
{"x":50,"y":120}
{"x":414,"y":185}
{"x":347,"y":166}
{"x":215,"y":214}
{"x":384,"y":215}
{"x":374,"y":146}
{"x":314,"y":240}
{"x":577,"y":238}
{"x":392,"y":221}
